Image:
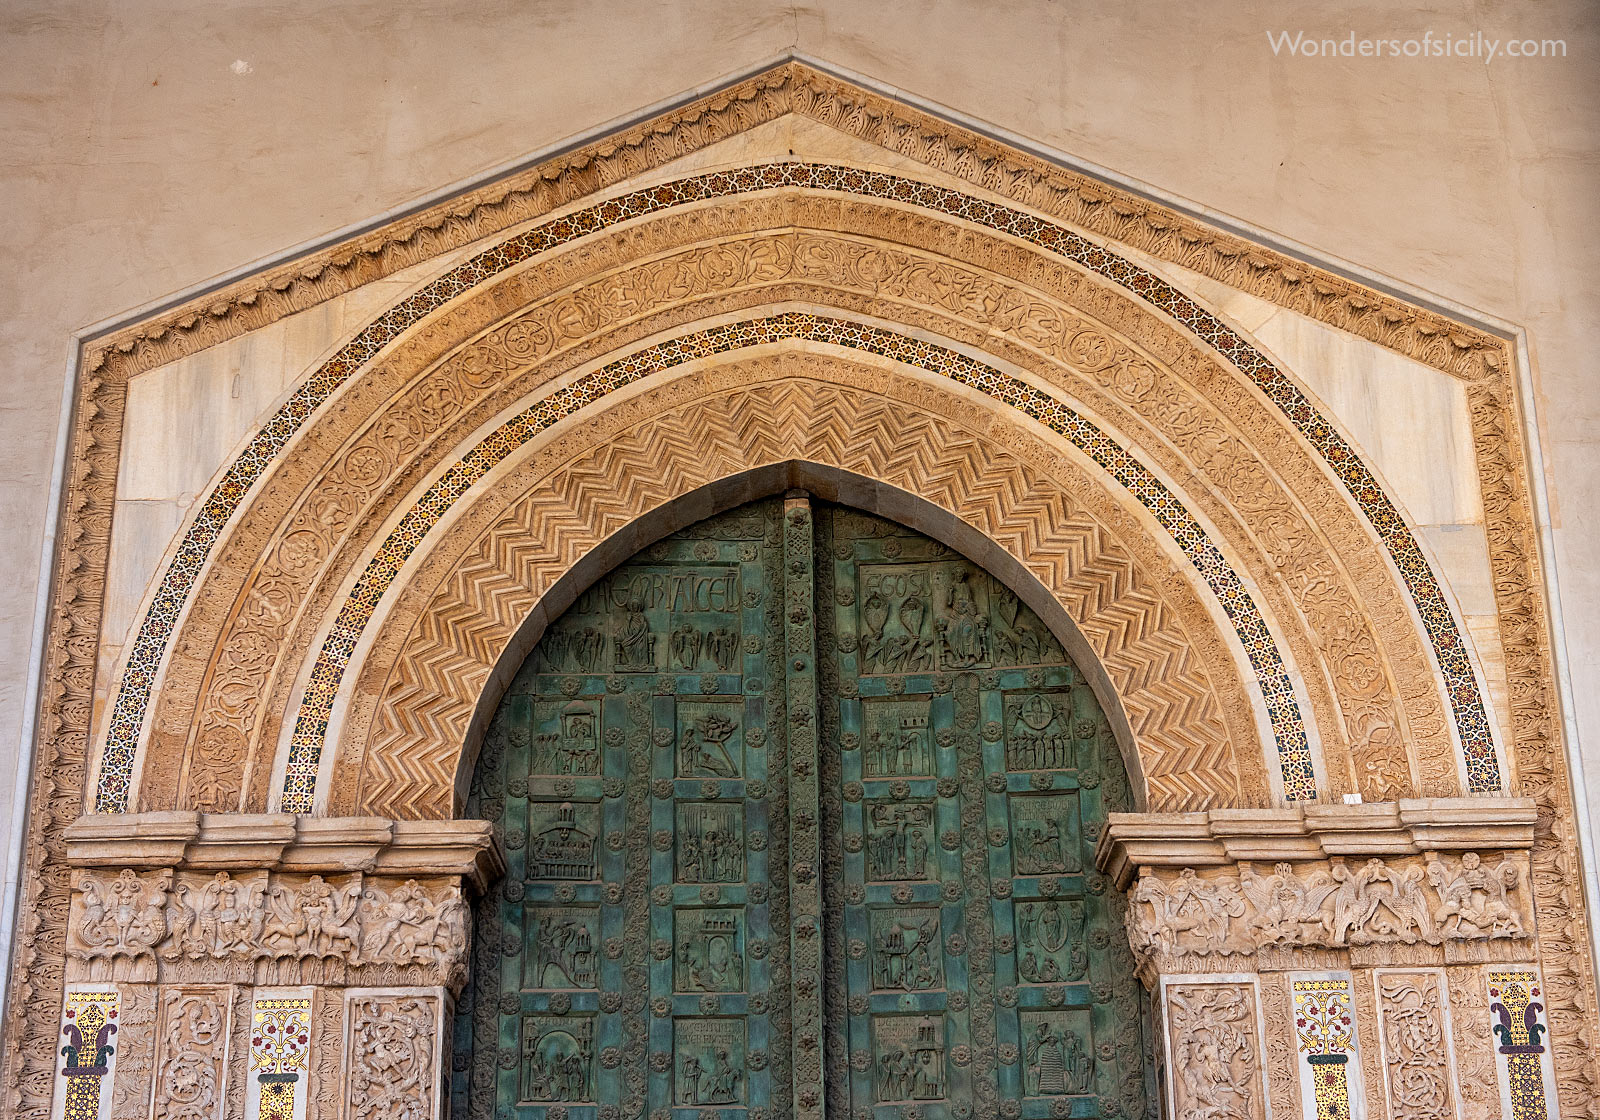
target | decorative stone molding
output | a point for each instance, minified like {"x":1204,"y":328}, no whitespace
{"x":1227,"y":914}
{"x":1219,"y":837}
{"x":1424,"y":882}
{"x":264,"y":927}
{"x":192,"y":841}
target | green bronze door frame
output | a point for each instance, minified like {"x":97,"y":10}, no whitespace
{"x":799,"y":809}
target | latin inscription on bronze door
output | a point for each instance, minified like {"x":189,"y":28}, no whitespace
{"x":799,"y":810}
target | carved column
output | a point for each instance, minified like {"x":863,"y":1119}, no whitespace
{"x":221,"y":965}
{"x":1337,"y":926}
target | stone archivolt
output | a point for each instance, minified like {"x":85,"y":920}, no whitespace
{"x":484,"y":575}
{"x":1203,"y":412}
{"x":1483,"y":361}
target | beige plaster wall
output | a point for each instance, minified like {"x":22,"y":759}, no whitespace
{"x":148,"y":150}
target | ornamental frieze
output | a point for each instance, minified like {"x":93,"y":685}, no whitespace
{"x":1338,"y":904}
{"x":265,"y":928}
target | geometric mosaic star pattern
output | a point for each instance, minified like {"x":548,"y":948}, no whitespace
{"x":149,"y":646}
{"x":311,"y":725}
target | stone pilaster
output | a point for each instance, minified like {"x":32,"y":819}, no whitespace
{"x":1344,"y":923}
{"x":301,"y":965}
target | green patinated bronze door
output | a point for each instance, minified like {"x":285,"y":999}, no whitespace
{"x":799,"y":810}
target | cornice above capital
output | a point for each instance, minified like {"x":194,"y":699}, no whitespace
{"x":192,"y":841}
{"x":1215,"y":837}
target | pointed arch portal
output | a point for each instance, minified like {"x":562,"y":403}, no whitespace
{"x":797,"y":773}
{"x":850,"y":623}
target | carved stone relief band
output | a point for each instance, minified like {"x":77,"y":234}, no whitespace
{"x":1430,"y":881}
{"x":150,"y":644}
{"x":203,"y":917}
{"x":1270,"y":666}
{"x":384,"y":910}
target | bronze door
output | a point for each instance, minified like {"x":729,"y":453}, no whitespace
{"x":799,"y":810}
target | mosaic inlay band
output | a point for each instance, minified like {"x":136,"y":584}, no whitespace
{"x":311,"y":727}
{"x":155,"y":631}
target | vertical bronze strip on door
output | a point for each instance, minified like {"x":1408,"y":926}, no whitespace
{"x":800,"y":691}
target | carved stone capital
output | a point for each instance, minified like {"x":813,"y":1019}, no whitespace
{"x":1445,"y":907}
{"x":185,"y":840}
{"x":262,"y":927}
{"x":1219,"y":837}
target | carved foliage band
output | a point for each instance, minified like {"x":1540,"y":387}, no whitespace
{"x":193,"y":1039}
{"x":1416,"y":1045}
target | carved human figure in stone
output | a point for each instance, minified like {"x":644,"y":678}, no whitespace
{"x":1188,"y":905}
{"x":315,"y":921}
{"x":1475,"y":902}
{"x":1279,"y":902}
{"x":217,"y":918}
{"x":400,"y":927}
